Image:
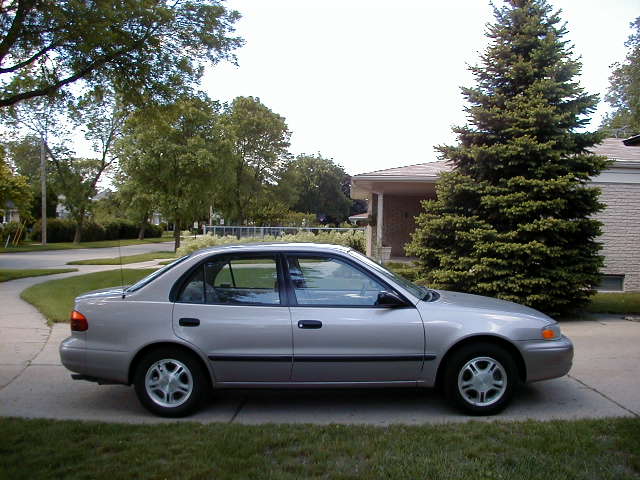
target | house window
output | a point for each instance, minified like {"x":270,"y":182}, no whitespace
{"x":611,"y":283}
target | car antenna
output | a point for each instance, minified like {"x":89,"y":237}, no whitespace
{"x":121,"y":272}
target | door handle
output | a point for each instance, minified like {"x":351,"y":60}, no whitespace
{"x":189,"y":322}
{"x":309,"y":324}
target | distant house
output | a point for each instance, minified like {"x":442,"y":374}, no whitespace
{"x":9,"y":213}
{"x":394,"y":197}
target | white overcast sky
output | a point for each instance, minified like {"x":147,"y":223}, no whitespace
{"x":375,"y":84}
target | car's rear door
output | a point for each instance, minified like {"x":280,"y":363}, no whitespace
{"x":231,"y":307}
{"x":340,"y":334}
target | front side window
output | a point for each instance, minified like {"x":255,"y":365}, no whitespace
{"x":233,"y":281}
{"x":331,"y":282}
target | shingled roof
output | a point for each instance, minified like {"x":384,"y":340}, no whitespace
{"x":616,"y":149}
{"x":430,"y":169}
{"x":613,"y":148}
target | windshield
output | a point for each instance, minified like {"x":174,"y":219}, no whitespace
{"x":415,"y":290}
{"x":152,"y":276}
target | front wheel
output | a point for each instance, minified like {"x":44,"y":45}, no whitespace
{"x":480,"y":379}
{"x":170,"y":382}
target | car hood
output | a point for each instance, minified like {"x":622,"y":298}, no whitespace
{"x":478,"y":302}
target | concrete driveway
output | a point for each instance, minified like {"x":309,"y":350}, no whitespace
{"x":34,"y":384}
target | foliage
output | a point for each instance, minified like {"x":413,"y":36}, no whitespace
{"x":514,"y":219}
{"x":255,"y":143}
{"x":355,"y":240}
{"x":146,"y":49}
{"x":8,"y":230}
{"x":617,"y":303}
{"x":172,"y":153}
{"x":63,"y":230}
{"x":406,"y":270}
{"x":624,"y":89}
{"x":14,"y":188}
{"x":317,"y":183}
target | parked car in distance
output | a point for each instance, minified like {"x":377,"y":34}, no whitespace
{"x":304,"y":315}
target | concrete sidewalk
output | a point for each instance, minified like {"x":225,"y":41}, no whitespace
{"x":34,"y":384}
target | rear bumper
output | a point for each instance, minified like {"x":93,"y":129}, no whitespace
{"x":547,"y":359}
{"x":93,"y":365}
{"x":73,"y":355}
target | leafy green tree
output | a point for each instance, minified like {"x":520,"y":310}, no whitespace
{"x":14,"y":188}
{"x":172,"y":152}
{"x":256,"y":142}
{"x":144,"y":48}
{"x":100,"y":115}
{"x":318,"y":185}
{"x":24,"y":154}
{"x":514,"y":219}
{"x":624,"y":89}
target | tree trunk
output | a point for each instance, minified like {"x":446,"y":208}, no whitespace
{"x":143,"y":226}
{"x":78,"y":233}
{"x":176,"y":236}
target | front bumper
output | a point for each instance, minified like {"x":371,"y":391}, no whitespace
{"x":545,"y":359}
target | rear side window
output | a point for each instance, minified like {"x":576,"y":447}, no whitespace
{"x":234,"y":281}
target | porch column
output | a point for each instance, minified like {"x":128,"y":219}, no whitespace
{"x":379,"y":225}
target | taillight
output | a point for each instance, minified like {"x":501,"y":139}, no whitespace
{"x":78,"y":322}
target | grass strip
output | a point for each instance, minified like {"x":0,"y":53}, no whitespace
{"x":55,"y":298}
{"x":7,"y":274}
{"x":36,"y":247}
{"x":141,"y":257}
{"x":580,"y":449}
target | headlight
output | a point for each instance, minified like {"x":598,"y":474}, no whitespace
{"x":551,"y":332}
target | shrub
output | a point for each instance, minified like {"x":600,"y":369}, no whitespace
{"x":8,"y":230}
{"x":153,"y":231}
{"x":355,"y":240}
{"x":58,"y":230}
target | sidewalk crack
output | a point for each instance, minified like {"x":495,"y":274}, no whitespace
{"x":635,"y":414}
{"x":240,"y":407}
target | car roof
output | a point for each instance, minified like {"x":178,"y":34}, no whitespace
{"x":274,"y":247}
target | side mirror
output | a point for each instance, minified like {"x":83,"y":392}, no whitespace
{"x":389,"y":300}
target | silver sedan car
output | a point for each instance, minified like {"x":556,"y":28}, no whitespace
{"x":307,"y":316}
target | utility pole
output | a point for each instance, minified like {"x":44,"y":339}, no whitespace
{"x":43,"y":187}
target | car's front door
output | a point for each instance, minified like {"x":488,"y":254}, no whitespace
{"x":340,"y":334}
{"x":231,"y":308}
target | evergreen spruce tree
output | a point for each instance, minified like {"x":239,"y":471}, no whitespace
{"x":514,"y":218}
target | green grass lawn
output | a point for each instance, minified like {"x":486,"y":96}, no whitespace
{"x":7,"y":274}
{"x":583,"y":449}
{"x":54,"y":299}
{"x":36,"y":247}
{"x":621,"y":303}
{"x":142,"y":257}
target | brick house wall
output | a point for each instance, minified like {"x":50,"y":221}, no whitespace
{"x":399,"y":221}
{"x":621,"y":232}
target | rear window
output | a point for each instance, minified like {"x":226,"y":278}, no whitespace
{"x":152,"y":276}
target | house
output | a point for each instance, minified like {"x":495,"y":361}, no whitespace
{"x":394,"y":197}
{"x":9,"y":213}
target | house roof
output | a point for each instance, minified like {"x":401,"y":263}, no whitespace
{"x":620,"y":150}
{"x":417,"y":171}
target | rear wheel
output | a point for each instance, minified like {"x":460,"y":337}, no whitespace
{"x":170,"y":382}
{"x":480,"y":379}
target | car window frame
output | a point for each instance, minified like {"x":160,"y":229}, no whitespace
{"x":178,"y":286}
{"x":291,"y":296}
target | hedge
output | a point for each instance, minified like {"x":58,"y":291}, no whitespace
{"x":354,"y":239}
{"x":63,"y":230}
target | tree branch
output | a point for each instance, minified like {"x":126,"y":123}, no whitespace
{"x":12,"y":35}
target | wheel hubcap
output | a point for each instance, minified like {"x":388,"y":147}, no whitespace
{"x":169,"y":383}
{"x":482,"y":381}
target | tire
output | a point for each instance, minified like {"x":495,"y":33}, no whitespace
{"x":480,"y":379}
{"x":170,"y":382}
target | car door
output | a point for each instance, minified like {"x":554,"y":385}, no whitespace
{"x":231,"y":307}
{"x":340,"y":334}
